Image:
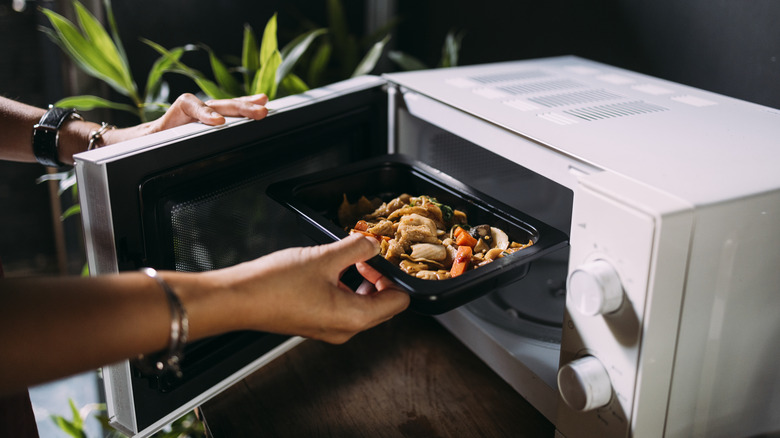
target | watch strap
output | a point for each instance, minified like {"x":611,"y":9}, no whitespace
{"x":46,"y":135}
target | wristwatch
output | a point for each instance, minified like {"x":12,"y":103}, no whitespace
{"x":46,"y":134}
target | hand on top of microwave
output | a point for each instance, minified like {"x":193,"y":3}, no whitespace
{"x":74,"y":134}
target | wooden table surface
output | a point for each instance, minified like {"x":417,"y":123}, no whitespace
{"x":408,"y":377}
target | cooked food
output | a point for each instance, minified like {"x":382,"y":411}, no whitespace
{"x":426,"y":238}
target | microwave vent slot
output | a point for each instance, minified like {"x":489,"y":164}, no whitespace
{"x":557,"y":118}
{"x":507,"y":77}
{"x":575,"y":98}
{"x":540,"y":87}
{"x":610,"y":111}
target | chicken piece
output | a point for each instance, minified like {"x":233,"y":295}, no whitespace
{"x":430,"y":211}
{"x":415,"y":219}
{"x":387,"y":208}
{"x":383,"y":228}
{"x":394,"y":251}
{"x":414,"y":228}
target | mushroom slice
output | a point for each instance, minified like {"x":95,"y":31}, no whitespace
{"x":430,"y":251}
{"x":427,"y":275}
{"x":432,"y":263}
{"x":500,"y":239}
{"x":481,"y":246}
{"x":493,"y":254}
{"x":412,"y":268}
{"x":433,"y":275}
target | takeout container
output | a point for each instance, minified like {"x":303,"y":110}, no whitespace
{"x":316,"y":197}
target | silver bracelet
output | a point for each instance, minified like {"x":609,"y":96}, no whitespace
{"x":96,"y":136}
{"x":171,"y":360}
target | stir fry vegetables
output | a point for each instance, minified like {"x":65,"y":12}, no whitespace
{"x":425,"y":238}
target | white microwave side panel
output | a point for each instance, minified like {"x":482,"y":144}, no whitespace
{"x":643,"y":234}
{"x":656,"y":298}
{"x":726,"y":380}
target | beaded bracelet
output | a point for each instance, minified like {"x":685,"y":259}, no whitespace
{"x":171,"y":360}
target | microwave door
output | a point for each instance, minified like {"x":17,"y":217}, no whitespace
{"x":193,"y":199}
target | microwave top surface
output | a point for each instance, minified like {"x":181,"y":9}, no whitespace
{"x":700,"y":146}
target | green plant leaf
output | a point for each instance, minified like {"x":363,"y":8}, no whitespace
{"x":98,"y":37}
{"x":319,"y":64}
{"x":265,"y":80}
{"x":250,"y":55}
{"x":71,"y":211}
{"x":405,"y":61}
{"x":293,"y":84}
{"x":155,"y":110}
{"x":223,"y":76}
{"x":210,"y":88}
{"x":372,"y":57}
{"x":160,"y":66}
{"x":451,"y":49}
{"x":292,"y":52}
{"x":115,"y":33}
{"x":86,"y":56}
{"x":87,"y":103}
{"x":345,"y":46}
{"x":77,"y":420}
{"x":269,"y":45}
{"x":207,"y":86}
{"x":68,"y":427}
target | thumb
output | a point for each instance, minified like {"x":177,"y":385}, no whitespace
{"x":350,"y":250}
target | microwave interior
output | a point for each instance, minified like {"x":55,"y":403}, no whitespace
{"x":525,"y":317}
{"x":200,"y":204}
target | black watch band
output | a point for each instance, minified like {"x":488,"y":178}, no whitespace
{"x":46,"y":135}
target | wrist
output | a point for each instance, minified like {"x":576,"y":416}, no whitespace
{"x":207,"y":302}
{"x":74,"y":138}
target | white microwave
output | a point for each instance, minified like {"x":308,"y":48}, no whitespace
{"x":658,"y":319}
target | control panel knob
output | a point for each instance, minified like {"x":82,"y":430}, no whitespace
{"x":594,"y":288}
{"x":584,"y":384}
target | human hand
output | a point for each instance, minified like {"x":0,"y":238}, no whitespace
{"x":297,"y":291}
{"x":188,"y":108}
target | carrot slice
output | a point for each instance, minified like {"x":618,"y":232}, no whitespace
{"x":462,"y":260}
{"x":462,"y":237}
{"x":361,"y":225}
{"x":366,"y":233}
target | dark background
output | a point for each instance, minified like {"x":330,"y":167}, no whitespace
{"x":725,"y":46}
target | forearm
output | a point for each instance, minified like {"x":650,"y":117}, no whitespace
{"x":78,"y":324}
{"x":17,"y":121}
{"x":16,"y":124}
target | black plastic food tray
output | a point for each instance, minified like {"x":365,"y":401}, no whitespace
{"x":316,"y":197}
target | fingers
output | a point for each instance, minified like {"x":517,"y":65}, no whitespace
{"x":368,"y":272}
{"x":188,"y":108}
{"x":251,"y":107}
{"x":352,"y":249}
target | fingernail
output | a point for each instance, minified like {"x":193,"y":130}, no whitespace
{"x":374,"y":243}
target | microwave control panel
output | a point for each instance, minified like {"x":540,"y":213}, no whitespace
{"x":611,"y":252}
